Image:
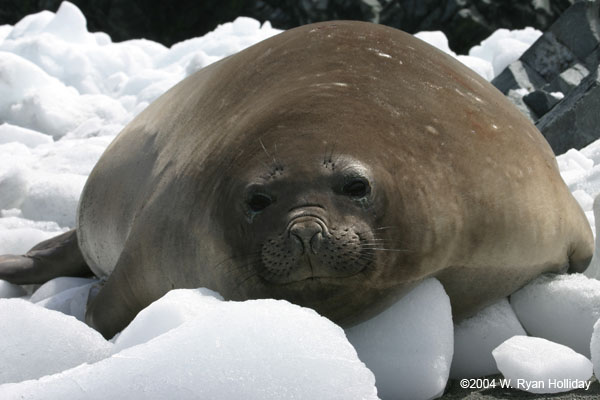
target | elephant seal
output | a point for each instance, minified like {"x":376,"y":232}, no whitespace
{"x":335,"y":165}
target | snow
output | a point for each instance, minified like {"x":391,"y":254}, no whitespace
{"x":8,"y":290}
{"x":262,"y":349}
{"x":65,"y":294}
{"x":173,"y":309}
{"x":71,"y":301}
{"x":38,"y":342}
{"x":574,"y":300}
{"x":492,"y":55}
{"x":593,"y":270}
{"x":540,"y":366}
{"x":16,"y":134}
{"x":65,"y":93}
{"x":409,"y":346}
{"x":595,"y":348}
{"x":476,"y":337}
{"x":503,"y":47}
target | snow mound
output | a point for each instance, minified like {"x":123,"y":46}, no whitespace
{"x":38,"y":342}
{"x":560,"y":308}
{"x":503,"y":47}
{"x":492,"y":55}
{"x":537,"y":365}
{"x":476,"y":337}
{"x":262,"y":349}
{"x":409,"y":346}
{"x":8,"y":290}
{"x":595,"y":348}
{"x":171,"y":311}
{"x":71,"y":300}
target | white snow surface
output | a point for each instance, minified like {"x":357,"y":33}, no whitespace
{"x":409,"y":346}
{"x":8,"y":290}
{"x":71,"y":300}
{"x":476,"y":337}
{"x":574,"y":300}
{"x":37,"y":342}
{"x":538,"y":365}
{"x":503,"y":47}
{"x":494,"y":54}
{"x":173,"y":309}
{"x":64,"y":95}
{"x":261,"y":349}
{"x":595,"y":348}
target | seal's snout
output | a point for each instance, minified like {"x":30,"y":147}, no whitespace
{"x":307,"y":235}
{"x":311,"y":247}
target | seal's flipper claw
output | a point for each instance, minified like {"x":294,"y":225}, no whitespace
{"x":57,"y":256}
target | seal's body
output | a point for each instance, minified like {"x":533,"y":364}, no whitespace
{"x":335,"y":165}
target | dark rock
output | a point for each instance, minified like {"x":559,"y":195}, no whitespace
{"x":578,"y":29}
{"x":517,"y":99}
{"x":572,"y":39}
{"x":468,"y":22}
{"x":560,"y":61}
{"x":548,"y":56}
{"x":518,"y":75}
{"x":574,"y":122}
{"x":568,"y":79}
{"x":540,"y":101}
{"x":465,"y":22}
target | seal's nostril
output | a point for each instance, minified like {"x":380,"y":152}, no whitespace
{"x":315,"y":242}
{"x":308,"y":234}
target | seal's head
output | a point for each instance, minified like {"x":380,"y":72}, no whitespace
{"x":315,"y":224}
{"x":309,"y":226}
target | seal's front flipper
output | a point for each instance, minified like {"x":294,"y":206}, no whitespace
{"x":113,"y":304}
{"x":57,"y":256}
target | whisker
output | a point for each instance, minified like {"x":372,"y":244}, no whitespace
{"x":398,"y":250}
{"x":385,"y":227}
{"x":379,"y":242}
{"x":331,"y":145}
{"x":241,"y":267}
{"x":366,"y":257}
{"x":247,"y":255}
{"x":233,"y":267}
{"x":267,"y":153}
{"x":240,"y":256}
{"x":367,"y":263}
{"x":377,"y":245}
{"x":238,"y":285}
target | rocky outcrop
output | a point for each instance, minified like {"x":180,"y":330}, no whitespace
{"x":555,"y":82}
{"x":575,"y":121}
{"x":465,"y":22}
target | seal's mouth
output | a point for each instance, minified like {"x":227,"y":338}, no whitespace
{"x":317,"y":280}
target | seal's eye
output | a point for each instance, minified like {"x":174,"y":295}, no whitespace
{"x":259,"y":202}
{"x":357,"y":187}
